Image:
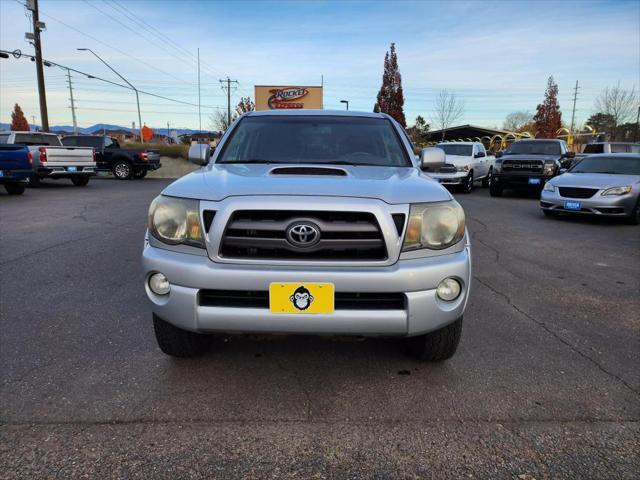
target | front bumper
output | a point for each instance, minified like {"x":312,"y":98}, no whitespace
{"x":522,"y":180}
{"x":601,"y":205}
{"x":450,"y":178}
{"x":417,"y":279}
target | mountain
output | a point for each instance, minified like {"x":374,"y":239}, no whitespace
{"x":99,"y":127}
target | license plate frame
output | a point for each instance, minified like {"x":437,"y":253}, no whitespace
{"x":572,"y":205}
{"x":306,"y":298}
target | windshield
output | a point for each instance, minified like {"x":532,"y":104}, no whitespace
{"x":613,"y":165}
{"x":309,"y":139}
{"x":460,"y":150}
{"x":533,"y":148}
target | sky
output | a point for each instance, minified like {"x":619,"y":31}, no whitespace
{"x":495,"y":56}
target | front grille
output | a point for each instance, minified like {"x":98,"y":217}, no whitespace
{"x":344,"y":236}
{"x":574,"y":192}
{"x":447,"y":168}
{"x":522,"y":166}
{"x":260,"y":299}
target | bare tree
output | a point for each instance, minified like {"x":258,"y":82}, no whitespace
{"x":448,"y":110}
{"x":515,"y":121}
{"x":621,"y":104}
{"x":219,"y":121}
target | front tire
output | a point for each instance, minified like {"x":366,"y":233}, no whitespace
{"x":495,"y":190}
{"x":177,"y":342}
{"x":80,"y":181}
{"x":14,"y":188}
{"x":467,"y":187}
{"x":436,"y":346}
{"x":486,"y":181}
{"x":122,"y":170}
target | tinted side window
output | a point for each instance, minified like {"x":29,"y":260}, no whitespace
{"x":594,"y":148}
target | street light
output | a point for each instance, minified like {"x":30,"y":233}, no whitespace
{"x":345,"y":101}
{"x":126,"y":81}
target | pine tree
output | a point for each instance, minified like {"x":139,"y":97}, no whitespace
{"x":548,"y":117}
{"x":391,"y":97}
{"x":18,"y":121}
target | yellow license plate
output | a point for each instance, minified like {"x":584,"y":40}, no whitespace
{"x":301,"y":297}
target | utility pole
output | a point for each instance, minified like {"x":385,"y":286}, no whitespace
{"x":228,"y":81}
{"x":199,"y":107}
{"x":33,"y":122}
{"x":73,"y":106}
{"x":37,"y":26}
{"x":573,"y":112}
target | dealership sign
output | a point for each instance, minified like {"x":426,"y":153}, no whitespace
{"x":282,"y":97}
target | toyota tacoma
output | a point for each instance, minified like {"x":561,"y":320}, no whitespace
{"x":309,"y":222}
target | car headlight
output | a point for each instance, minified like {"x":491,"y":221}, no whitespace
{"x":176,"y":221}
{"x":434,"y":226}
{"x":464,"y":168}
{"x":617,"y":191}
{"x":497,"y":167}
{"x":548,"y":187}
{"x":549,"y":168}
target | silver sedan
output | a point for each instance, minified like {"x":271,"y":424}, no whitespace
{"x":602,"y":185}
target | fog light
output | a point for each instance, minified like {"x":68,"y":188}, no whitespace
{"x":449,"y":289}
{"x":159,"y":284}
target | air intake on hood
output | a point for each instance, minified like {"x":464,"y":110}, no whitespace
{"x":336,"y":172}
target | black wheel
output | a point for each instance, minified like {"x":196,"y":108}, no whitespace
{"x":122,"y":170}
{"x":467,"y":186}
{"x":14,"y":188}
{"x":550,"y":213}
{"x":80,"y":181}
{"x":495,"y":190}
{"x":177,"y":342}
{"x":140,"y":174}
{"x":634,"y":218}
{"x":486,"y":181}
{"x":436,"y":346}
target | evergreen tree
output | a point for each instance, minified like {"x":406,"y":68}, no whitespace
{"x":18,"y":121}
{"x":391,"y":97}
{"x":548,"y":117}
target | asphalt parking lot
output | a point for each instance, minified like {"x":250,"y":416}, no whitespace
{"x":545,"y":383}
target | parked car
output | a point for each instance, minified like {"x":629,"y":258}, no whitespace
{"x":53,"y":160}
{"x":602,"y":185}
{"x":124,"y":163}
{"x":607,"y":147}
{"x":528,"y":164}
{"x":16,"y":167}
{"x":466,"y":163}
{"x":309,"y":222}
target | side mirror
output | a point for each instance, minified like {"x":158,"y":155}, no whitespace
{"x":432,"y":158}
{"x":200,"y":153}
{"x":498,"y":154}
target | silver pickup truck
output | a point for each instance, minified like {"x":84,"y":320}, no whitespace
{"x":53,"y":160}
{"x":309,"y":222}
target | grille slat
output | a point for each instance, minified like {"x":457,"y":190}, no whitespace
{"x":576,"y":192}
{"x":342,"y":300}
{"x":344,"y":236}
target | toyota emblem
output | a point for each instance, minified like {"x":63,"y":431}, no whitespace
{"x":303,"y":234}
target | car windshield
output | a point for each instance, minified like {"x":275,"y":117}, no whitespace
{"x":460,"y":150}
{"x":533,"y":148}
{"x":306,"y":139}
{"x":612,"y":165}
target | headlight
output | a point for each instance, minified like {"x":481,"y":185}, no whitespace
{"x":497,"y":167}
{"x":549,"y":168}
{"x":464,"y":168}
{"x":434,"y":226}
{"x":176,"y":221}
{"x":616,"y":191}
{"x":548,"y":187}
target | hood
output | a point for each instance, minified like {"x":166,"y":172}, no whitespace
{"x":594,"y":180}
{"x":394,"y":185}
{"x":528,"y":156}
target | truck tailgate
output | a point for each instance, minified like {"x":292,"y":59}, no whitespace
{"x":64,"y":156}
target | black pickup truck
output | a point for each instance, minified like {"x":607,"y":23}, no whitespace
{"x":528,"y":164}
{"x":124,"y":163}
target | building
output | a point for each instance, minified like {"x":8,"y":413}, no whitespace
{"x":468,"y":133}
